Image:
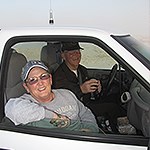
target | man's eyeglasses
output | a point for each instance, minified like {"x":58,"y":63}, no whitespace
{"x":34,"y":80}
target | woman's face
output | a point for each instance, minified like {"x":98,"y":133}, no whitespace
{"x":38,"y":84}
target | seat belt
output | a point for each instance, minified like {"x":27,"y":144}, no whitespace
{"x":79,"y":77}
{"x":80,"y":81}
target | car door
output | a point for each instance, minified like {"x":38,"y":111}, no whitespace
{"x":25,"y":137}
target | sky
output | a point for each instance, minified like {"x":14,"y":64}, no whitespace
{"x":125,"y":16}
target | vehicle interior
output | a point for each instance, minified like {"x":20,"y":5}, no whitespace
{"x":119,"y":84}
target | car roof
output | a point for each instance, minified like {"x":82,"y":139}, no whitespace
{"x":21,"y":31}
{"x":7,"y":33}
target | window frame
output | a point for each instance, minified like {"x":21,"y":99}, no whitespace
{"x":115,"y":139}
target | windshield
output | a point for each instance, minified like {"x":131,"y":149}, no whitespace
{"x":138,"y":49}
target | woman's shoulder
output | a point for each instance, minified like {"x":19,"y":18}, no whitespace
{"x":63,"y":92}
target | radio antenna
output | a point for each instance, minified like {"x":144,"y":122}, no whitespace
{"x":51,"y":20}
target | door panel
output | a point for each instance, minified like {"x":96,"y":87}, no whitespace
{"x":19,"y":141}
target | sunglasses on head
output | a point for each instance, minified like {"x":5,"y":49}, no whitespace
{"x":34,"y":80}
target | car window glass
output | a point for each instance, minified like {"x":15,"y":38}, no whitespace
{"x":30,"y":49}
{"x":94,"y":56}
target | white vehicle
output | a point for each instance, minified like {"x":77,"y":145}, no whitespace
{"x":119,"y":61}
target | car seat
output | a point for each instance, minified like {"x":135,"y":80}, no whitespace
{"x":50,"y":55}
{"x":14,"y":87}
{"x":138,"y":110}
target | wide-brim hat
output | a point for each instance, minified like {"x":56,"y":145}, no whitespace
{"x":70,"y":46}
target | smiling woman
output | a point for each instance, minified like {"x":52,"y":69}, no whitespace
{"x":48,"y":103}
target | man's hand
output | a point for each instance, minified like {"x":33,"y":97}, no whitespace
{"x":60,"y":121}
{"x":90,"y":86}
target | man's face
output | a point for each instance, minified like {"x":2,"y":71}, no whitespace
{"x":72,"y":58}
{"x":38,"y":84}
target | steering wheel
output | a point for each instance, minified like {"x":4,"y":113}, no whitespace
{"x":112,"y":75}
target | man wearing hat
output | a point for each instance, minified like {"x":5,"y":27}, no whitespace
{"x":43,"y":107}
{"x":74,"y":77}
